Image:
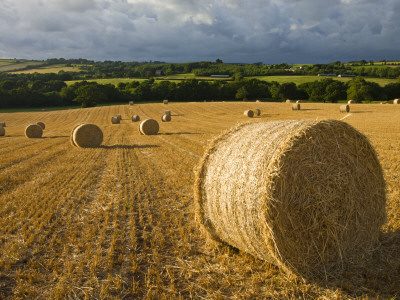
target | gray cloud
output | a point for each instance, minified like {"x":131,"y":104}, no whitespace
{"x":271,"y":31}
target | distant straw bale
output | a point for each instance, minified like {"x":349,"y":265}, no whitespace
{"x":249,"y":113}
{"x":131,"y":102}
{"x":396,"y":101}
{"x":2,"y":131}
{"x":115,"y":120}
{"x":351,"y":102}
{"x":41,"y":124}
{"x":258,"y":111}
{"x":308,"y":196}
{"x":167,"y":112}
{"x":119,"y":117}
{"x":33,"y":131}
{"x":135,"y":118}
{"x":298,"y":101}
{"x":166,"y":118}
{"x":345,"y":108}
{"x":149,"y":127}
{"x":296,"y":106}
{"x":288,"y":101}
{"x":2,"y":124}
{"x":258,"y":100}
{"x":87,"y":136}
{"x":165,"y":101}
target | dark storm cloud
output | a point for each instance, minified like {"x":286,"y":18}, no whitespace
{"x":271,"y":31}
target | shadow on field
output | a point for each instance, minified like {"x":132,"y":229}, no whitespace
{"x":361,"y":112}
{"x":310,"y":109}
{"x":128,"y":146}
{"x":177,"y":115}
{"x":55,"y":137}
{"x":379,"y":277}
{"x":266,"y":115}
{"x":178,"y":133}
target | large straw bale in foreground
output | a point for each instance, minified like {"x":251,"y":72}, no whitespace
{"x":149,"y":127}
{"x":306,"y":196}
{"x":2,"y":131}
{"x":344,"y":108}
{"x":33,"y":131}
{"x":87,"y":136}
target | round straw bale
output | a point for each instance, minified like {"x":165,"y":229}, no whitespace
{"x":288,"y":101}
{"x":119,"y":117}
{"x":307,"y":196}
{"x":2,"y":124}
{"x":87,"y":136}
{"x":131,"y":102}
{"x":249,"y":113}
{"x":149,"y":127}
{"x":296,"y":106}
{"x":396,"y":101}
{"x":165,"y":101}
{"x":2,"y":131}
{"x":115,"y":120}
{"x":258,"y":111}
{"x":166,"y":118}
{"x":298,"y":101}
{"x":351,"y":102}
{"x":345,"y":108}
{"x":41,"y":124}
{"x":167,"y":112}
{"x":33,"y":131}
{"x":135,"y":118}
{"x":258,"y":100}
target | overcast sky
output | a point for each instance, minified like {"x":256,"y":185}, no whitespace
{"x":268,"y":31}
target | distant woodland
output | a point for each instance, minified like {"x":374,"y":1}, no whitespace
{"x":51,"y":89}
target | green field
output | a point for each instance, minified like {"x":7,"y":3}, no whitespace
{"x":302,"y":79}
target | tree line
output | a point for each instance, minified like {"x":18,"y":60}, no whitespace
{"x":47,"y":90}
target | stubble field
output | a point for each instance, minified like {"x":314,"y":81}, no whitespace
{"x":118,"y":221}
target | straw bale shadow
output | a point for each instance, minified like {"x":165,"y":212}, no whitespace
{"x":128,"y":146}
{"x":379,"y":276}
{"x":310,"y":109}
{"x":178,"y":133}
{"x":177,"y":115}
{"x":55,"y":137}
{"x":360,"y":111}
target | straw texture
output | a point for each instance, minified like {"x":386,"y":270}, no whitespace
{"x":2,"y":131}
{"x":307,"y":196}
{"x":33,"y":131}
{"x":249,"y":113}
{"x":41,"y":124}
{"x":149,"y":127}
{"x":344,"y":108}
{"x":87,"y":136}
{"x":166,"y":118}
{"x":296,"y":106}
{"x":135,"y":118}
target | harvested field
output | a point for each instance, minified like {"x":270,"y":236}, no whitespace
{"x":118,"y":221}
